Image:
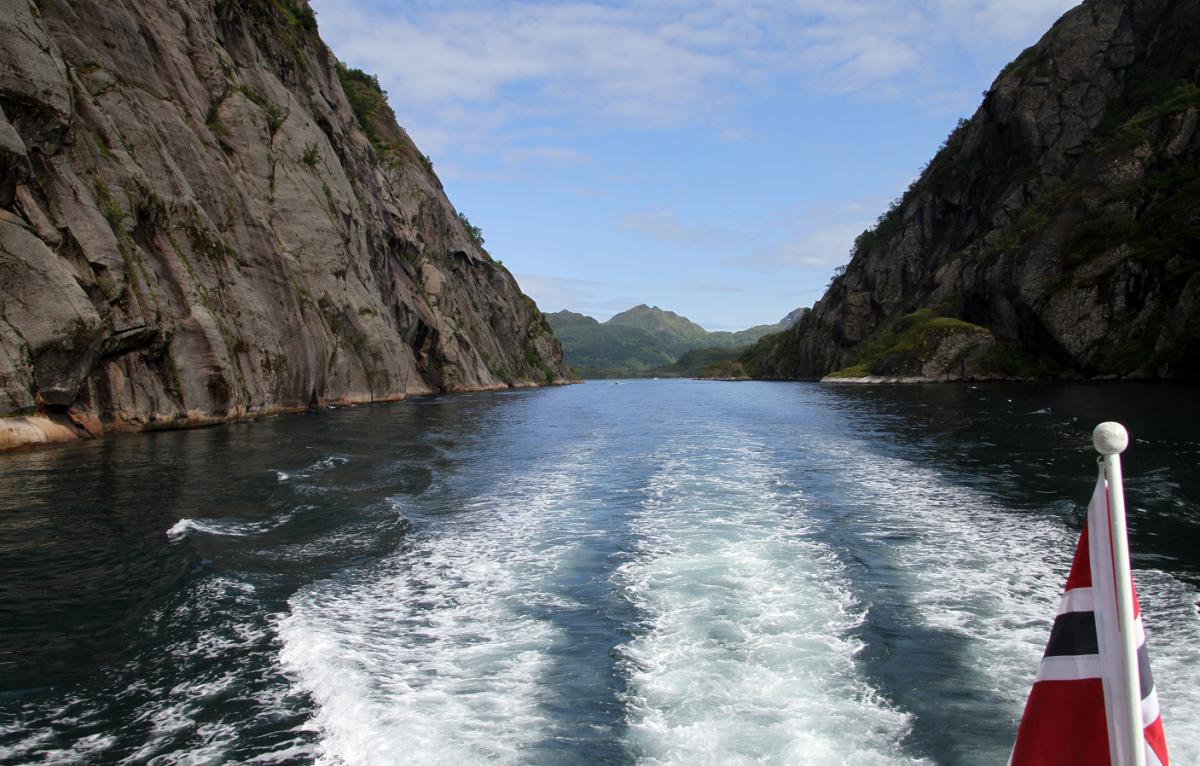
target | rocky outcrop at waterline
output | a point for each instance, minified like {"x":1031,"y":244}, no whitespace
{"x":204,"y":216}
{"x":1056,"y":233}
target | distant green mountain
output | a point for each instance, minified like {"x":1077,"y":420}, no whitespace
{"x":671,"y":333}
{"x":563,"y":319}
{"x":646,"y":341}
{"x":700,"y":362}
{"x":595,"y":350}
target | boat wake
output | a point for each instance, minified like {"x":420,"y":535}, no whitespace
{"x":746,"y":651}
{"x":438,"y":652}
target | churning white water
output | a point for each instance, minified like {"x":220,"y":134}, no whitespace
{"x":746,"y":647}
{"x":434,"y":656}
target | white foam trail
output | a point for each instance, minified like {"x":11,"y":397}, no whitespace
{"x":224,"y":527}
{"x":86,"y":749}
{"x":315,"y":468}
{"x":179,"y":529}
{"x":436,"y":657}
{"x":747,"y":652}
{"x":978,"y":570}
{"x":177,"y":722}
{"x":82,"y":751}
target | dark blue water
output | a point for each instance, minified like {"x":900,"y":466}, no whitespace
{"x":643,"y":572}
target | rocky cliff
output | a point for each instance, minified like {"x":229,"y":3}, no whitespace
{"x":204,"y":216}
{"x":1056,"y":233}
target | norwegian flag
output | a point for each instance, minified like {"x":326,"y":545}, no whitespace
{"x":1079,"y":697}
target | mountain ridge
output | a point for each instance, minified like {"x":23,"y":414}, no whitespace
{"x":645,"y":340}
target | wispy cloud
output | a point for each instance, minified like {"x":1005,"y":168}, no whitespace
{"x":595,"y":298}
{"x":819,"y":247}
{"x":464,"y":72}
{"x":817,"y":239}
{"x":735,"y":135}
{"x":721,"y":289}
{"x":1002,"y":20}
{"x":663,"y":224}
{"x":545,"y":155}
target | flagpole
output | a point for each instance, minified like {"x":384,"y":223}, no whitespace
{"x":1110,"y":440}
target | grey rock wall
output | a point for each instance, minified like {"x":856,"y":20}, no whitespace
{"x":195,"y":227}
{"x":1063,"y":217}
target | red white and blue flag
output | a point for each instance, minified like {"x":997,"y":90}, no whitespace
{"x":1079,"y":698}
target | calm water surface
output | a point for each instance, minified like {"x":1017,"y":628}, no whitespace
{"x":646,"y":572}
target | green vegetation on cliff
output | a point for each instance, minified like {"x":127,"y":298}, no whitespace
{"x":368,"y":101}
{"x":911,"y":337}
{"x":1062,"y":219}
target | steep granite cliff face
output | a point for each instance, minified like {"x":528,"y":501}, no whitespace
{"x":203,"y":216}
{"x":1057,"y":232}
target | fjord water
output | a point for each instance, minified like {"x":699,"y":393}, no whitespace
{"x":635,"y":572}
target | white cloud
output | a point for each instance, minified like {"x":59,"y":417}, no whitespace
{"x":1004,"y":20}
{"x":820,"y":247}
{"x":723,"y":289}
{"x":816,"y":239}
{"x":663,"y":224}
{"x":545,"y":155}
{"x":584,"y":296}
{"x":735,"y":135}
{"x":460,"y":73}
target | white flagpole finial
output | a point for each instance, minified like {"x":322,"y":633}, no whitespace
{"x":1110,"y":438}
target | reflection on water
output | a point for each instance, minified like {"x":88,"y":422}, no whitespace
{"x":657,"y":572}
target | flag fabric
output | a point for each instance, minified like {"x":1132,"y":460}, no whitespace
{"x":1079,"y":698}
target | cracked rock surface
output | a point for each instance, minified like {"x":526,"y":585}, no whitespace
{"x":197,"y":225}
{"x":1063,"y":217}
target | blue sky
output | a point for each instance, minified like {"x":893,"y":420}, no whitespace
{"x":713,"y":158}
